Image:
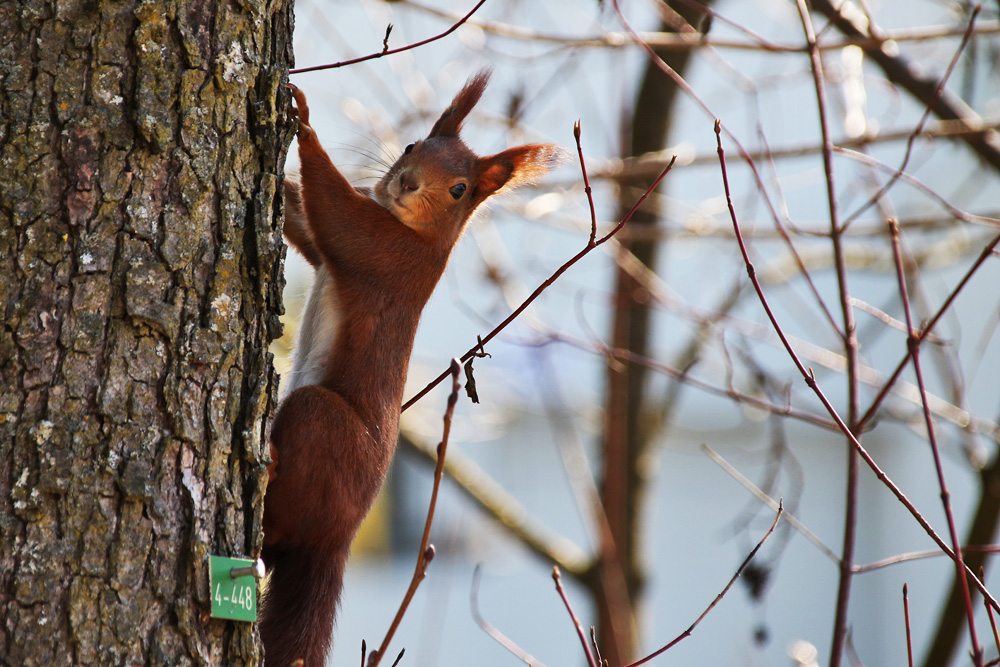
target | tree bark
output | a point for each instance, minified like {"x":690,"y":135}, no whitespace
{"x":141,"y":151}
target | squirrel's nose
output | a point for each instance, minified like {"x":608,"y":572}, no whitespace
{"x":407,"y":182}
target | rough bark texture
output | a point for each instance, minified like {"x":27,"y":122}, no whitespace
{"x":140,"y":273}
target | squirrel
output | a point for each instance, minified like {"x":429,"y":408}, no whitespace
{"x":377,"y":256}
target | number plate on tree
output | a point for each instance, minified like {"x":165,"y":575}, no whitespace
{"x":233,"y":597}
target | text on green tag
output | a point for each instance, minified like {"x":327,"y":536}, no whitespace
{"x":234,"y":598}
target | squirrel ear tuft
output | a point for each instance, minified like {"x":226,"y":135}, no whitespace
{"x":450,"y":122}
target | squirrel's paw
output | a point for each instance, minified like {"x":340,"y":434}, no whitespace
{"x":301,"y":109}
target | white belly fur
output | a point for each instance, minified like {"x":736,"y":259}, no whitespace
{"x":317,"y":331}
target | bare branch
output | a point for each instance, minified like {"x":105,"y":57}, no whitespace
{"x":683,"y":85}
{"x":718,"y":598}
{"x":770,"y":502}
{"x":993,"y":622}
{"x":687,"y":41}
{"x":912,"y":342}
{"x":586,"y":185}
{"x":811,"y":382}
{"x":887,"y":387}
{"x":906,"y":615}
{"x":386,"y":51}
{"x":426,"y":553}
{"x":491,"y":630}
{"x":897,"y":69}
{"x":919,"y":555}
{"x":849,"y":335}
{"x":931,"y":104}
{"x":576,"y":622}
{"x":815,"y":354}
{"x":545,"y":285}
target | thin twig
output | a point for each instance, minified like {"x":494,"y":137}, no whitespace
{"x":690,"y":41}
{"x":661,"y":292}
{"x":977,"y":651}
{"x":810,"y":379}
{"x":906,"y":617}
{"x":770,"y":502}
{"x":627,"y":356}
{"x":923,"y":119}
{"x":491,"y":630}
{"x":556,"y":577}
{"x":850,"y":340}
{"x":623,"y":169}
{"x":686,"y":87}
{"x":591,"y":244}
{"x":925,"y":332}
{"x":387,"y":51}
{"x":919,"y":185}
{"x":919,"y":555}
{"x":597,"y":649}
{"x":989,"y":612}
{"x":718,"y":598}
{"x":907,"y":76}
{"x":816,"y":354}
{"x":426,"y":553}
{"x":586,"y":183}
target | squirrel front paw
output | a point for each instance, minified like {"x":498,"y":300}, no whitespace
{"x":301,"y":108}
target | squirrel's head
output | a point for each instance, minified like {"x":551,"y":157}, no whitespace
{"x":438,"y":182}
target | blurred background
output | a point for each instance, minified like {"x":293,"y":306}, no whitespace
{"x":624,"y":417}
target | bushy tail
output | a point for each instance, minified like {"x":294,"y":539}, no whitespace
{"x":299,"y":605}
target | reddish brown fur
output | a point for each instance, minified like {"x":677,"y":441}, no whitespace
{"x":332,"y":440}
{"x":450,"y":122}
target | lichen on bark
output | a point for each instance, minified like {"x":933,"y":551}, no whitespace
{"x":141,"y":146}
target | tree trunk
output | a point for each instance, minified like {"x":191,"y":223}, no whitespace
{"x":141,"y":150}
{"x":627,"y":431}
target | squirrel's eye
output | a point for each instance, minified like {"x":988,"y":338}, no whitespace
{"x":457,"y":191}
{"x":408,"y":149}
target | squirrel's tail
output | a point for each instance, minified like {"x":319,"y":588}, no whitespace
{"x":299,"y":605}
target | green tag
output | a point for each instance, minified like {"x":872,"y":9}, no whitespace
{"x":234,"y":598}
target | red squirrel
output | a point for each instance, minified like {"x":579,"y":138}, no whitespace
{"x":377,"y":256}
